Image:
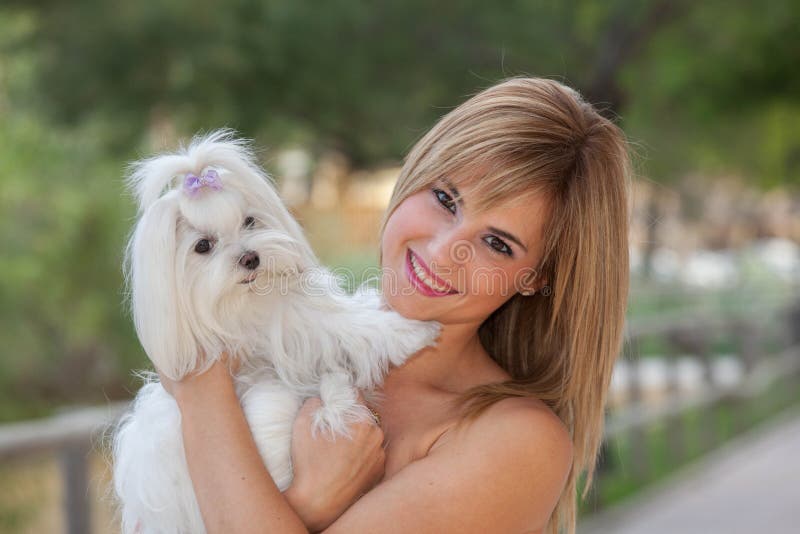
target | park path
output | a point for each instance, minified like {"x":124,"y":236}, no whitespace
{"x":751,"y":484}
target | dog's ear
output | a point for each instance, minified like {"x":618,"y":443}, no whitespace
{"x":158,"y":315}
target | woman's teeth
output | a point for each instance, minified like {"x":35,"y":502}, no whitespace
{"x":420,"y":272}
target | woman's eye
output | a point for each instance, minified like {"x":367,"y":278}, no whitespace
{"x":445,"y":200}
{"x":202,"y":246}
{"x":249,"y":222}
{"x":499,"y":245}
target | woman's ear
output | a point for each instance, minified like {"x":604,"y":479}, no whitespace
{"x":529,"y":281}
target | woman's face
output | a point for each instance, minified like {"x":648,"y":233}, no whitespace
{"x":441,"y":261}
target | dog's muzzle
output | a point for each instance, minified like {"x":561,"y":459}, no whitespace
{"x":249,"y":260}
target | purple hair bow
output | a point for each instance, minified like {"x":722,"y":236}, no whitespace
{"x":193,"y":184}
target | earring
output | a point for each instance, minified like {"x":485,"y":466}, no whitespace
{"x":545,"y":291}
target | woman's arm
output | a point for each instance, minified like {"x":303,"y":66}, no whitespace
{"x":233,"y":488}
{"x":502,"y":473}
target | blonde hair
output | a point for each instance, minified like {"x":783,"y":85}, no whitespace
{"x":538,"y":135}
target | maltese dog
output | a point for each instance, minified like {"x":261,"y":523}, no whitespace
{"x":216,"y":263}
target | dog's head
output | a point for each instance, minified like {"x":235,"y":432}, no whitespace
{"x":212,"y":235}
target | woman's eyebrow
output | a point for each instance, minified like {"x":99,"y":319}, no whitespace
{"x":510,"y":237}
{"x":501,"y":233}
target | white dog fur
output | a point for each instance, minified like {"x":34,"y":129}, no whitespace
{"x":296,"y":332}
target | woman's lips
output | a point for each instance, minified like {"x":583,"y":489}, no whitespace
{"x":421,"y":286}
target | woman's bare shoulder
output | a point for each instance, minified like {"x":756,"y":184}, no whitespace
{"x":514,"y":457}
{"x":514,"y":417}
{"x":529,"y":409}
{"x":526,"y":420}
{"x":523,"y":436}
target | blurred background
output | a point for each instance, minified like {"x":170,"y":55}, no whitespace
{"x":334,"y":94}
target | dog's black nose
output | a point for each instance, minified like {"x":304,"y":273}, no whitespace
{"x":249,"y":260}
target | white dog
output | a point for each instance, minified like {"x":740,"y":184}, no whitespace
{"x":216,"y":263}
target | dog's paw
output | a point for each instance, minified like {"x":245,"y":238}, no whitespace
{"x":340,"y":406}
{"x":430,"y":331}
{"x":333,"y":420}
{"x":413,"y":336}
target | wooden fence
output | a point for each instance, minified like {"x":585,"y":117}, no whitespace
{"x":766,"y":344}
{"x":71,"y":436}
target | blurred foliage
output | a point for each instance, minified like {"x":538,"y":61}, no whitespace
{"x":700,"y":86}
{"x":339,"y":72}
{"x":718,"y":91}
{"x":62,"y":224}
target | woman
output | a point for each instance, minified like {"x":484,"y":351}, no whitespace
{"x":509,"y":226}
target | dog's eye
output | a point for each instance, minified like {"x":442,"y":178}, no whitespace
{"x":202,"y":246}
{"x":249,"y":222}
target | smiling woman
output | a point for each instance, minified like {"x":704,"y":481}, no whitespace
{"x":509,"y":226}
{"x":474,"y":260}
{"x":523,"y":188}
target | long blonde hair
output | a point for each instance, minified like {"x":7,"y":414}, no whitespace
{"x":560,"y":345}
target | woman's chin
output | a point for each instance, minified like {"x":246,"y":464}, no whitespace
{"x":408,"y":306}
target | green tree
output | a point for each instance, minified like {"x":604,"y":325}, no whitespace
{"x":365,"y":77}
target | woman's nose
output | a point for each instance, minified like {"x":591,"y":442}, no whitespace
{"x":446,"y":249}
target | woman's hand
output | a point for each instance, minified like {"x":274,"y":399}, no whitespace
{"x":330,"y":475}
{"x":219,"y":374}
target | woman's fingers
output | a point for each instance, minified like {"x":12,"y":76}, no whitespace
{"x":230,"y":363}
{"x":375,"y":413}
{"x":336,"y":472}
{"x":379,"y":467}
{"x":217,"y":375}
